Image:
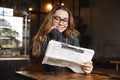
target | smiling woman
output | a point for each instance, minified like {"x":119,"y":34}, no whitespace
{"x":60,"y":22}
{"x":58,"y":25}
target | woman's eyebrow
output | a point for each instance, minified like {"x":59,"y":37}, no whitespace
{"x":61,"y":18}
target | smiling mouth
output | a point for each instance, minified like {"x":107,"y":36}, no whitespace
{"x":60,"y":27}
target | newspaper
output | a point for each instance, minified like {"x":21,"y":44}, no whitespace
{"x":65,"y":55}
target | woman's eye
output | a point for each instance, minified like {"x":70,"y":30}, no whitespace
{"x":57,"y":18}
{"x":65,"y":20}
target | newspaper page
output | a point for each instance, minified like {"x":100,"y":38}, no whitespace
{"x":65,"y":55}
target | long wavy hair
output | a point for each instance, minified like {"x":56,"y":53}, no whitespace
{"x":41,"y":35}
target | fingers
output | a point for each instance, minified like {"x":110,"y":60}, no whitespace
{"x":87,"y":67}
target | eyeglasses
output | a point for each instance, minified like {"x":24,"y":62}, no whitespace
{"x":57,"y":19}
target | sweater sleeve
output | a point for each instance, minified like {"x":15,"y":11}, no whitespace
{"x":74,"y":40}
{"x":53,"y":35}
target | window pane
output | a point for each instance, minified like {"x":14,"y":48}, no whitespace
{"x":14,"y":27}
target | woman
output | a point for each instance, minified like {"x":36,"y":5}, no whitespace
{"x":58,"y":25}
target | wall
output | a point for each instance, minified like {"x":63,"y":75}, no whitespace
{"x":103,"y":20}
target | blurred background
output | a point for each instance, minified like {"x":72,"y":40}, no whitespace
{"x":98,"y":21}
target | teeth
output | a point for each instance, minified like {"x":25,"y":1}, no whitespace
{"x":59,"y":28}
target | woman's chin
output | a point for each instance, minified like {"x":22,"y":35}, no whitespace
{"x":60,"y":30}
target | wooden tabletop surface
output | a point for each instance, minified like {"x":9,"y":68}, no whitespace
{"x":63,"y":76}
{"x":35,"y":72}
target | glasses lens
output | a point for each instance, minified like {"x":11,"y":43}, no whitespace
{"x":58,"y":19}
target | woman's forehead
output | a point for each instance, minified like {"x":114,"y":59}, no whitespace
{"x":61,"y":13}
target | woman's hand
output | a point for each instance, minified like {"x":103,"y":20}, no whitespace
{"x":87,"y":67}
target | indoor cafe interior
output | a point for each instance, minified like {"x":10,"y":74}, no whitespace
{"x":98,"y":22}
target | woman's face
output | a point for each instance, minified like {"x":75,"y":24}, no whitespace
{"x":60,"y":20}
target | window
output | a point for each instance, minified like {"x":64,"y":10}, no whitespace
{"x":14,"y":27}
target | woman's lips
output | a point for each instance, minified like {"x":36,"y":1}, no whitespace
{"x":60,"y":28}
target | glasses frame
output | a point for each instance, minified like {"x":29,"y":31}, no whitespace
{"x":57,"y":19}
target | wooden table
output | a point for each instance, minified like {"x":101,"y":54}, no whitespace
{"x":31,"y":75}
{"x":117,"y":64}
